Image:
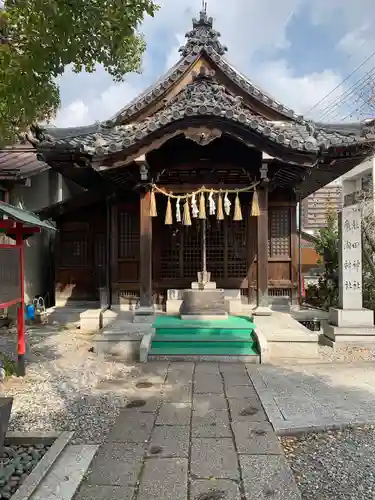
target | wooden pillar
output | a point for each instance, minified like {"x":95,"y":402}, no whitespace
{"x":294,"y":254}
{"x":145,"y":271}
{"x":251,"y":255}
{"x":262,"y":308}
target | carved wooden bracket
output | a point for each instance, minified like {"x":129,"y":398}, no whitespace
{"x":202,"y":135}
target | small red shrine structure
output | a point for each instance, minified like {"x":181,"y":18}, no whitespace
{"x":18,"y":225}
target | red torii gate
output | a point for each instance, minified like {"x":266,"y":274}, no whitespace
{"x":17,"y":224}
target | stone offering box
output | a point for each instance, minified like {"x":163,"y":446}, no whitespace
{"x":203,"y":303}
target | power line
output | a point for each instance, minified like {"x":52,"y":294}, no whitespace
{"x":352,"y":91}
{"x":344,"y":95}
{"x":342,"y":82}
{"x":366,"y":88}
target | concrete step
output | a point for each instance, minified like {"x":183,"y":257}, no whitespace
{"x":66,"y":474}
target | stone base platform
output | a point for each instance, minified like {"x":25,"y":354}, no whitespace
{"x":340,"y":336}
{"x":283,"y":339}
{"x":122,"y":338}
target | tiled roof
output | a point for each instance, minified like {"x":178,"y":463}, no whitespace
{"x":205,"y":97}
{"x":20,"y":162}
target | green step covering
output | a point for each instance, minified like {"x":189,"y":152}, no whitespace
{"x":231,"y":323}
{"x":204,"y":348}
{"x":233,"y":336}
{"x":240,"y":337}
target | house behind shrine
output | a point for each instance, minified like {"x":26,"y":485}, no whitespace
{"x":28,"y":183}
{"x":202,"y":124}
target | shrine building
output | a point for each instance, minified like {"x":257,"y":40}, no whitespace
{"x":202,"y":171}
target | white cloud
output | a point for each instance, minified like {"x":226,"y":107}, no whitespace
{"x":298,"y":92}
{"x":88,"y":110}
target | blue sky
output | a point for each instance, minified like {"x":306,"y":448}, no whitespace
{"x":296,"y":50}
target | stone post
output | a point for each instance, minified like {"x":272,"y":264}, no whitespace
{"x":350,"y":321}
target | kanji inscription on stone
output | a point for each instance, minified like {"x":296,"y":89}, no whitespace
{"x":350,"y":262}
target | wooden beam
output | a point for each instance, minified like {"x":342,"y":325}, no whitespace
{"x":145,"y":274}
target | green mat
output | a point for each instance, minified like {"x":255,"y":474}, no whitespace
{"x":233,"y":336}
{"x":204,"y":348}
{"x":232,"y":323}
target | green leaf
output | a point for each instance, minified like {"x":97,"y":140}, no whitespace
{"x":42,"y":38}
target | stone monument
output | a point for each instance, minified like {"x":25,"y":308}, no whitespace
{"x":350,"y":322}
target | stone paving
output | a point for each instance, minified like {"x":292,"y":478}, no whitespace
{"x":205,"y":436}
{"x":314,"y":397}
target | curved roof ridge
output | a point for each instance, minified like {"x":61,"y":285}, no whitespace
{"x":253,"y":90}
{"x":156,"y":89}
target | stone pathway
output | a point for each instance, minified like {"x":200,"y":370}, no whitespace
{"x":204,"y":437}
{"x":316,"y":397}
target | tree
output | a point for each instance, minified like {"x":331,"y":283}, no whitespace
{"x":39,"y":38}
{"x":325,"y":293}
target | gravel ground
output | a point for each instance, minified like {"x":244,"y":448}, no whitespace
{"x":62,"y":389}
{"x":347,"y":354}
{"x":335,"y":465}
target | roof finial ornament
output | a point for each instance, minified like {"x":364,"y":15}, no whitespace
{"x":202,"y":36}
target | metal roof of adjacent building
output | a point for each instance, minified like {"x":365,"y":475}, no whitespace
{"x":20,"y":162}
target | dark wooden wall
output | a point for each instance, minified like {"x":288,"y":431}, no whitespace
{"x":231,"y":251}
{"x":81,"y":253}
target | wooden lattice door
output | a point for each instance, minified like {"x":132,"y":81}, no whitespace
{"x":181,"y":250}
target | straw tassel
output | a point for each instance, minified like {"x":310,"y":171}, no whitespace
{"x":255,"y":210}
{"x":220,"y":211}
{"x":153,"y":210}
{"x":168,"y":213}
{"x":187,"y":219}
{"x":237,"y":209}
{"x":202,"y":206}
